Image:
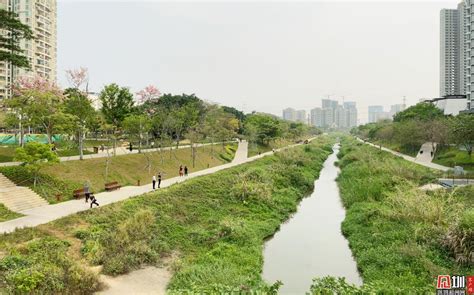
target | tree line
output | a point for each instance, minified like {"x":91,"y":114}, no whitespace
{"x":421,"y":123}
{"x":148,"y":116}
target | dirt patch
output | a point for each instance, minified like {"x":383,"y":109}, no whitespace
{"x":148,"y":280}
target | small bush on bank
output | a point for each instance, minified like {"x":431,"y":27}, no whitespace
{"x":43,"y":266}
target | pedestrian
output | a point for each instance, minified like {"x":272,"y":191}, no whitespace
{"x":185,"y":170}
{"x":130,"y":147}
{"x":153,"y":180}
{"x":87,"y":192}
{"x":159,"y":179}
{"x":180,"y":170}
{"x":93,"y":200}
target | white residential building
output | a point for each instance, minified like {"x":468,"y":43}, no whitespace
{"x":40,"y":16}
{"x":317,"y":117}
{"x":301,"y":116}
{"x":289,"y":114}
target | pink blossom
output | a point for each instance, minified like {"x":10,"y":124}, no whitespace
{"x":24,"y":84}
{"x":149,"y":93}
{"x":78,"y":77}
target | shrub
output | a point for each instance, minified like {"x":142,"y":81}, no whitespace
{"x":460,"y":239}
{"x":42,"y":266}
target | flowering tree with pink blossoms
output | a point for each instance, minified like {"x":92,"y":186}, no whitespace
{"x":148,"y":94}
{"x":38,"y":102}
{"x":78,"y":77}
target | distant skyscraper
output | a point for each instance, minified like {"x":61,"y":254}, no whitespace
{"x":289,"y":114}
{"x":450,"y":52}
{"x":396,"y":108}
{"x":351,"y":108}
{"x":317,"y":117}
{"x":301,"y":116}
{"x":328,"y":117}
{"x":341,"y":117}
{"x":456,"y":51}
{"x":40,"y":16}
{"x":374,"y":113}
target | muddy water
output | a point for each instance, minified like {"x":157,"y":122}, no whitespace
{"x":311,"y":244}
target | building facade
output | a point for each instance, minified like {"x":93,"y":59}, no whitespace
{"x":457,"y":52}
{"x":317,"y":117}
{"x":450,"y":52}
{"x":301,"y":116}
{"x":289,"y":114}
{"x":40,"y":16}
{"x":375,"y":112}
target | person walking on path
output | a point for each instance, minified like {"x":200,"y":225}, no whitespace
{"x":159,"y":179}
{"x":180,"y":170}
{"x":130,"y":147}
{"x":153,"y":180}
{"x":87,"y":191}
{"x":93,"y":200}
{"x":185,"y":170}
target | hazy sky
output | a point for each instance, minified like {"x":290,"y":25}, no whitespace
{"x":262,"y":56}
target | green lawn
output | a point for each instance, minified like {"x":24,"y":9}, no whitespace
{"x":214,"y":225}
{"x":6,"y":214}
{"x":7,"y":153}
{"x":65,"y":177}
{"x":402,"y":237}
{"x":451,"y":156}
{"x":407,"y":150}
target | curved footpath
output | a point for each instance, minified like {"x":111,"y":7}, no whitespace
{"x":45,"y":214}
{"x":408,"y":158}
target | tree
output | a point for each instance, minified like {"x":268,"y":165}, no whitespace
{"x":136,"y":126}
{"x":79,"y":107}
{"x":462,"y":131}
{"x":149,"y":94}
{"x":267,"y":127}
{"x":117,"y":103}
{"x":435,"y":131}
{"x":78,"y":77}
{"x":35,"y":156}
{"x":10,"y":50}
{"x":37,"y":101}
{"x":423,"y":111}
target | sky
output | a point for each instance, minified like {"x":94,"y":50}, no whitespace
{"x":258,"y":56}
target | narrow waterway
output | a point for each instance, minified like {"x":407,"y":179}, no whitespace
{"x":311,"y":244}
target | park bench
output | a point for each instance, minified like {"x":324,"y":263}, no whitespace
{"x":79,"y":193}
{"x":112,"y":186}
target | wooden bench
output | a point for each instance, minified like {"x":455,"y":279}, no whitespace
{"x":111,"y":186}
{"x":79,"y":193}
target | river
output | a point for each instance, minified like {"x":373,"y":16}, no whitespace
{"x":310,"y":244}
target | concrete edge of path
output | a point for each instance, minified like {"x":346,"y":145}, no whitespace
{"x":408,"y":158}
{"x":44,"y":214}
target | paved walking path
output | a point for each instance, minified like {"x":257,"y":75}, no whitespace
{"x":120,"y":151}
{"x":426,"y":152}
{"x":408,"y":158}
{"x":45,"y":214}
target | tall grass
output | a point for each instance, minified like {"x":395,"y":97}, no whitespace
{"x":397,"y":232}
{"x":214,"y":224}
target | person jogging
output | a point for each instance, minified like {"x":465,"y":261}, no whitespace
{"x":153,"y":180}
{"x":93,"y":200}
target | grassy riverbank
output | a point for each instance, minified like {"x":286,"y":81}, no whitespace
{"x":65,"y":177}
{"x":214,"y":225}
{"x":401,"y":237}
